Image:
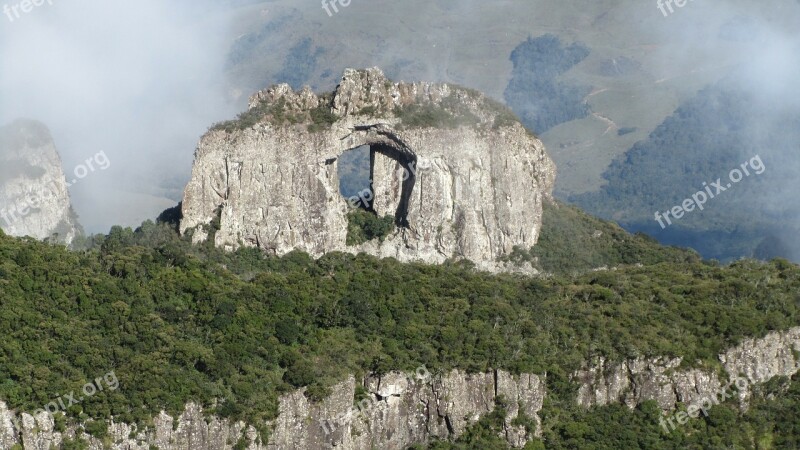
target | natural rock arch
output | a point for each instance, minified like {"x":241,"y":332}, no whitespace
{"x":393,"y":173}
{"x":475,"y":186}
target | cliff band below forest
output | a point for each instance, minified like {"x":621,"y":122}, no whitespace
{"x":402,"y":410}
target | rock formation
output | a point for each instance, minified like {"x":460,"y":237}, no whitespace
{"x":459,"y":174}
{"x":635,"y":381}
{"x":400,"y":410}
{"x":34,"y":200}
{"x":403,"y":409}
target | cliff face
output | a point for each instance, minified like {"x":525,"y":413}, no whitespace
{"x":400,"y":409}
{"x":460,"y":175}
{"x":34,"y":200}
{"x":754,"y":361}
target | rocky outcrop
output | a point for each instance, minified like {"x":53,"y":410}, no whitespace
{"x":398,"y":411}
{"x":659,"y":379}
{"x":637,"y":380}
{"x":461,"y":176}
{"x":34,"y":200}
{"x":776,"y":354}
{"x":192,"y":430}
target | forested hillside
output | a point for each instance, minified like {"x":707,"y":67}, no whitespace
{"x":178,"y":322}
{"x":707,"y":137}
{"x":534,"y":91}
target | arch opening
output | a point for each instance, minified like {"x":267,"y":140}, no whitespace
{"x":380,"y":179}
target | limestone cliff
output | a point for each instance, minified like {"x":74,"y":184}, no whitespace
{"x":660,"y":379}
{"x":34,"y":200}
{"x":461,"y":176}
{"x":403,"y":409}
{"x":399,"y":411}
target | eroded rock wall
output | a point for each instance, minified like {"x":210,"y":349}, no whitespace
{"x":635,"y":381}
{"x":401,"y":409}
{"x":477,"y":187}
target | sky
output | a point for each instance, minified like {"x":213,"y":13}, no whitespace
{"x":140,"y":81}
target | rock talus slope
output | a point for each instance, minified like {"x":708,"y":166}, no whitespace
{"x":461,"y":176}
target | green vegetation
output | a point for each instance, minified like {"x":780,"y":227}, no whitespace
{"x":709,"y":135}
{"x":178,"y":322}
{"x":273,"y":113}
{"x":277,"y":113}
{"x":535,"y":93}
{"x":434,"y":116}
{"x":74,"y":444}
{"x":321,"y":119}
{"x":364,"y":226}
{"x":572,"y":241}
{"x":234,"y":331}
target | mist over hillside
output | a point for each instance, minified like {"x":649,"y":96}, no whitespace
{"x":594,"y":84}
{"x":416,"y":225}
{"x":144,"y":82}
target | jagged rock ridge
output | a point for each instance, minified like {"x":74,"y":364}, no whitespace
{"x":34,"y":200}
{"x":461,"y":176}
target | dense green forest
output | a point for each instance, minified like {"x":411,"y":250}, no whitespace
{"x":534,"y":91}
{"x":179,"y":322}
{"x":709,"y":135}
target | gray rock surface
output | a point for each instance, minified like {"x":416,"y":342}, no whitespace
{"x":635,"y":381}
{"x":400,"y":409}
{"x":34,"y":200}
{"x":462,"y":177}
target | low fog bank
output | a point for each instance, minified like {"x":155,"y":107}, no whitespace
{"x":140,"y":81}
